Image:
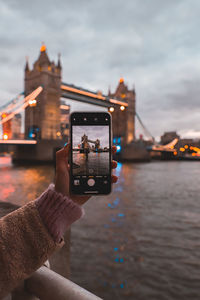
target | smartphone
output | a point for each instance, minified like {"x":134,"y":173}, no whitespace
{"x":91,"y":153}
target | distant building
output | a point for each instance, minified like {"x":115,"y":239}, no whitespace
{"x":16,"y":126}
{"x":169,"y":136}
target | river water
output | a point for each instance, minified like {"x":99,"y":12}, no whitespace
{"x":140,"y":242}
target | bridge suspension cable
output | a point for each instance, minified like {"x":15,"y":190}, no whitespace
{"x":8,"y":106}
{"x":144,"y":127}
{"x":24,"y":103}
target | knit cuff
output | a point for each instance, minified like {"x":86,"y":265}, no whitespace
{"x":57,"y":211}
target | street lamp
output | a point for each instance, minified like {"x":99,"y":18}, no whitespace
{"x":111,"y":109}
{"x":122,"y":107}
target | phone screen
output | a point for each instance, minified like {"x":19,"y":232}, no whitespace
{"x":90,"y":153}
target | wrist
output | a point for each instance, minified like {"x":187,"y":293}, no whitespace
{"x":57,"y":211}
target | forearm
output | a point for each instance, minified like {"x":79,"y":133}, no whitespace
{"x":29,"y":235}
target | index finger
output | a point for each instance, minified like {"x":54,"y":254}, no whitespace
{"x":114,"y":149}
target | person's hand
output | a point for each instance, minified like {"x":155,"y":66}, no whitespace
{"x":62,"y":181}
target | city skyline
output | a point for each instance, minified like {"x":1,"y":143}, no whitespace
{"x":154,"y":46}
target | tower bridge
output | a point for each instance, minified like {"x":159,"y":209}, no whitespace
{"x":46,"y":115}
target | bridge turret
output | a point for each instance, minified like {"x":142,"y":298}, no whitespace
{"x":123,"y":118}
{"x":27,"y":69}
{"x":43,"y":120}
{"x":59,"y":67}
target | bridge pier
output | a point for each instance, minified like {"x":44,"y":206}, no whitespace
{"x":42,"y":152}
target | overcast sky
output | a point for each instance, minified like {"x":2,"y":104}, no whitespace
{"x":153,"y":44}
{"x":93,"y":133}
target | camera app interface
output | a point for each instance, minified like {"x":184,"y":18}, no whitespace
{"x":90,"y":150}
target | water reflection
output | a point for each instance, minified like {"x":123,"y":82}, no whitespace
{"x":5,"y":161}
{"x":148,"y":235}
{"x":21,"y":184}
{"x":140,"y":242}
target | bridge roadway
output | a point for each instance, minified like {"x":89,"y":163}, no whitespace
{"x":18,"y":142}
{"x":85,"y":96}
{"x":31,"y":151}
{"x":44,"y":150}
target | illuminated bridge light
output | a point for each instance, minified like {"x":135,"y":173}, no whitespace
{"x":118,"y":102}
{"x":182,"y":149}
{"x":89,"y":94}
{"x":43,"y":48}
{"x":116,"y":259}
{"x":32,"y":102}
{"x":5,"y":136}
{"x":122,"y":107}
{"x":120,"y":215}
{"x":24,"y":142}
{"x":118,"y":148}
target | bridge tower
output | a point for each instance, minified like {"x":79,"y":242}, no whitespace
{"x":124,"y":117}
{"x":43,"y":120}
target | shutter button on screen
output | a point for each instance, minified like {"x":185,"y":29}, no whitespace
{"x":91,"y":182}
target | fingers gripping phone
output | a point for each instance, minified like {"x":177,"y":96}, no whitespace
{"x":90,"y":161}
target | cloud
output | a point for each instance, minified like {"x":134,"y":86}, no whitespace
{"x":190,"y":133}
{"x":153,"y":44}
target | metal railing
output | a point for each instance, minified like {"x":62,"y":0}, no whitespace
{"x":45,"y":284}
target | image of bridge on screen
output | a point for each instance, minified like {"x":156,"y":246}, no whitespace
{"x":91,"y":150}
